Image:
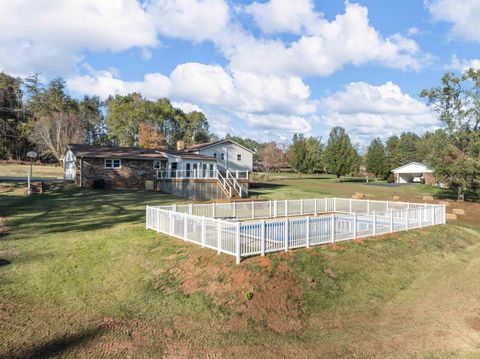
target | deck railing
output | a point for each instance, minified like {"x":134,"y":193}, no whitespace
{"x":197,"y":174}
{"x":270,"y":229}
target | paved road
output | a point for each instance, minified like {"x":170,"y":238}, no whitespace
{"x":34,"y":179}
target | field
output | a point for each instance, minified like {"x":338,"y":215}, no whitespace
{"x":20,"y":170}
{"x":81,"y":277}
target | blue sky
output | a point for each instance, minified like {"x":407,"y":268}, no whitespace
{"x":262,"y":69}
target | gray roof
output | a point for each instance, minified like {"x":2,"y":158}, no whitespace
{"x":201,"y":146}
{"x":83,"y":150}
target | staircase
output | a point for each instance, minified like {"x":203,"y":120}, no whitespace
{"x":229,"y":184}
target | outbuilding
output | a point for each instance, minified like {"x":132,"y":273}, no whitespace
{"x":413,"y":172}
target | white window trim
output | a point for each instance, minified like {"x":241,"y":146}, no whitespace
{"x":113,"y":167}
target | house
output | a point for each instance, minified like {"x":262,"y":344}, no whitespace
{"x":413,"y":171}
{"x":213,"y":170}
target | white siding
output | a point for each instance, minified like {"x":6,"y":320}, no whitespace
{"x":230,"y":161}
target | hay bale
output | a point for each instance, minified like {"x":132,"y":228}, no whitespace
{"x":445,"y":203}
{"x":396,"y":198}
{"x":354,"y":196}
{"x":458,"y":211}
{"x":359,"y":195}
{"x":451,"y":216}
{"x":427,"y":198}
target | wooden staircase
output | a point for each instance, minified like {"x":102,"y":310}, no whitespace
{"x":229,"y":185}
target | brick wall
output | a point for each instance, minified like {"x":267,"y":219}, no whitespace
{"x":132,"y":174}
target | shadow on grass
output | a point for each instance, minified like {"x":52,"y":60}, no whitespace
{"x":56,"y":347}
{"x":4,"y":262}
{"x":67,"y":210}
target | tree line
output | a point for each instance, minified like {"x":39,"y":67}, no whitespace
{"x":45,"y":117}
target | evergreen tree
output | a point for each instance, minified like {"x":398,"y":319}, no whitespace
{"x":297,"y":154}
{"x":376,"y":159}
{"x":340,"y":155}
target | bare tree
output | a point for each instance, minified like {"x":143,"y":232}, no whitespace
{"x":51,"y":133}
{"x":271,"y":157}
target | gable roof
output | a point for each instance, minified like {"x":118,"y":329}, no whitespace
{"x":202,"y":146}
{"x":82,"y":150}
{"x":412,"y":164}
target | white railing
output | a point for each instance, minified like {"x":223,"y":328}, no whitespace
{"x":224,"y":183}
{"x":314,"y":225}
{"x":197,"y":173}
{"x":234,"y":182}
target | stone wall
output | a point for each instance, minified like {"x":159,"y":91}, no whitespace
{"x":131,"y":174}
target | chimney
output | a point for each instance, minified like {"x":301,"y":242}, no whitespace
{"x":180,"y":145}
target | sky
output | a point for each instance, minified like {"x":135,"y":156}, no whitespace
{"x":261,"y":69}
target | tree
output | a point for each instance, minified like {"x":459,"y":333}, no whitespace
{"x":314,"y":157}
{"x":150,"y":136}
{"x":457,"y":101}
{"x":376,"y":159}
{"x":297,"y":154}
{"x":13,"y":119}
{"x":271,"y":157}
{"x":392,"y":150}
{"x":340,"y":155}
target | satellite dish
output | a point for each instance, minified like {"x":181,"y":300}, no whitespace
{"x":32,"y":154}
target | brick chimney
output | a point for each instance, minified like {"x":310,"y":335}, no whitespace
{"x":180,"y":145}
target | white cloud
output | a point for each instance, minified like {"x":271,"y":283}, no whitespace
{"x":187,"y":107}
{"x":368,"y":111}
{"x":49,"y":35}
{"x":349,"y":38}
{"x":292,"y":16}
{"x":463,"y":64}
{"x":464,"y":16}
{"x":196,"y":20}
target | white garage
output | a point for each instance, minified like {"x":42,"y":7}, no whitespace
{"x":407,"y":173}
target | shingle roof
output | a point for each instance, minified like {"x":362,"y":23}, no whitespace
{"x":201,"y":146}
{"x":132,"y":153}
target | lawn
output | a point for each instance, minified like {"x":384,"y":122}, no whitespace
{"x":19,"y":170}
{"x":81,"y":277}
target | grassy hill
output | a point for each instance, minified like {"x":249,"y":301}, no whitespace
{"x":80,"y":276}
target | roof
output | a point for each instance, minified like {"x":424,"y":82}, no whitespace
{"x":82,"y":150}
{"x":202,"y":146}
{"x":413,"y":167}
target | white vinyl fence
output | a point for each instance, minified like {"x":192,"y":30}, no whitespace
{"x":271,"y":226}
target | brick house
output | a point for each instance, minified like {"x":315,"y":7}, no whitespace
{"x":208,"y":171}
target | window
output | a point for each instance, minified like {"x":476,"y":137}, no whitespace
{"x":222,"y":156}
{"x":156,"y":165}
{"x":239,"y":157}
{"x":112,"y":163}
{"x":215,"y":154}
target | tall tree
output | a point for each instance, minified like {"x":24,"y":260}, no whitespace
{"x":13,"y":119}
{"x":150,"y":136}
{"x":314,"y":157}
{"x":457,"y":101}
{"x":376,"y":158}
{"x":271,"y":157}
{"x":297,"y":154}
{"x":340,"y":155}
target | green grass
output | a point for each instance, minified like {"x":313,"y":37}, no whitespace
{"x":43,"y":171}
{"x":81,"y":277}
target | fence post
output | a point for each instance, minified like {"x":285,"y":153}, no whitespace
{"x":388,"y":205}
{"x":235,"y":210}
{"x":190,"y":208}
{"x":237,"y":244}
{"x":219,"y":237}
{"x":406,"y":222}
{"x":391,"y":220}
{"x":334,"y":204}
{"x":203,"y":232}
{"x":443,"y":214}
{"x":433,"y":215}
{"x":368,"y":206}
{"x":147,"y":222}
{"x":286,"y":234}
{"x":270,"y":209}
{"x":263,"y":238}
{"x":174,"y":208}
{"x":354,"y":226}
{"x":253,"y":209}
{"x":170,"y":223}
{"x":286,"y":208}
{"x":308,"y":232}
{"x":315,"y":207}
{"x":275,"y":208}
{"x":214,"y":210}
{"x":350,"y":205}
{"x":332,"y":228}
{"x":301,"y":206}
{"x":185,"y":227}
{"x":374,"y":223}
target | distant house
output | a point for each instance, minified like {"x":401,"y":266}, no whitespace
{"x":213,"y":170}
{"x":413,"y":172}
